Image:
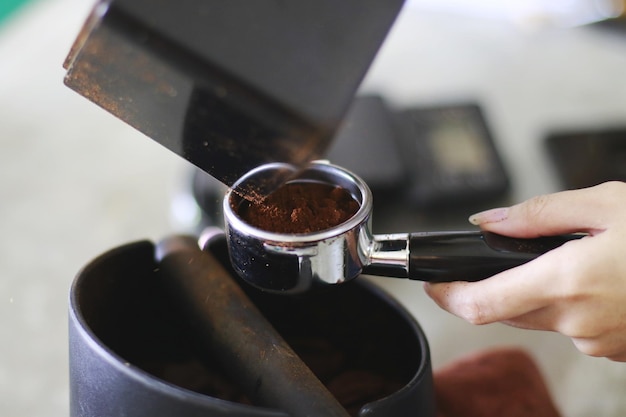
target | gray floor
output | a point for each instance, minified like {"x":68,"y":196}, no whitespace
{"x":75,"y":181}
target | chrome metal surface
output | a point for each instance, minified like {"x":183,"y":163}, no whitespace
{"x":391,"y":252}
{"x":297,"y":262}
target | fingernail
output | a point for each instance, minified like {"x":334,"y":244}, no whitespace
{"x":489,"y":216}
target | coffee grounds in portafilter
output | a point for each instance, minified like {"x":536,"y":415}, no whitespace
{"x":300,"y":207}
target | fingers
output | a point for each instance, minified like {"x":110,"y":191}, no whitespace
{"x":577,"y":289}
{"x":505,"y":296}
{"x":585,"y":210}
{"x":609,"y":346}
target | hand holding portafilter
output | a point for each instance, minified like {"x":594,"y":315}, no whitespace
{"x":295,"y":263}
{"x":578,"y":290}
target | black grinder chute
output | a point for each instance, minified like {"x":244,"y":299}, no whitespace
{"x":230,"y":86}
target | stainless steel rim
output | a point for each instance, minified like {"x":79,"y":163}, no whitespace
{"x":317,"y":171}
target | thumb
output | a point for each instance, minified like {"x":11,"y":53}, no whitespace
{"x":584,"y":210}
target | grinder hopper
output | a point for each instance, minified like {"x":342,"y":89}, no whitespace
{"x":232,"y":85}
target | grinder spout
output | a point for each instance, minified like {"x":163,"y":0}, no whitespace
{"x":230,"y":85}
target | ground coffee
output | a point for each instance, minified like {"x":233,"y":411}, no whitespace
{"x":300,"y":207}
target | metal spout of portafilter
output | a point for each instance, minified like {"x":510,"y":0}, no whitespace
{"x":230,"y":85}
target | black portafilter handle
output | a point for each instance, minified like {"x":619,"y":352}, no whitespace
{"x":473,"y":256}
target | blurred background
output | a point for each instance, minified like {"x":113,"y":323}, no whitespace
{"x":75,"y":181}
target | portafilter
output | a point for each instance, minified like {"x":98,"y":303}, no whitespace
{"x":292,"y":263}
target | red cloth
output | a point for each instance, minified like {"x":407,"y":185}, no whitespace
{"x":503,"y":382}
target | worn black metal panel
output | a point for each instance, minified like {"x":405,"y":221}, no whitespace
{"x":230,"y":85}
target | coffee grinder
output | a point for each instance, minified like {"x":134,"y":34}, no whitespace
{"x":231,"y":86}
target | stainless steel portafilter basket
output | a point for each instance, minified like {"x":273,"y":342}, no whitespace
{"x":295,"y":263}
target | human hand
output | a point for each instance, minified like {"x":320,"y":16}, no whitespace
{"x":578,"y":289}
